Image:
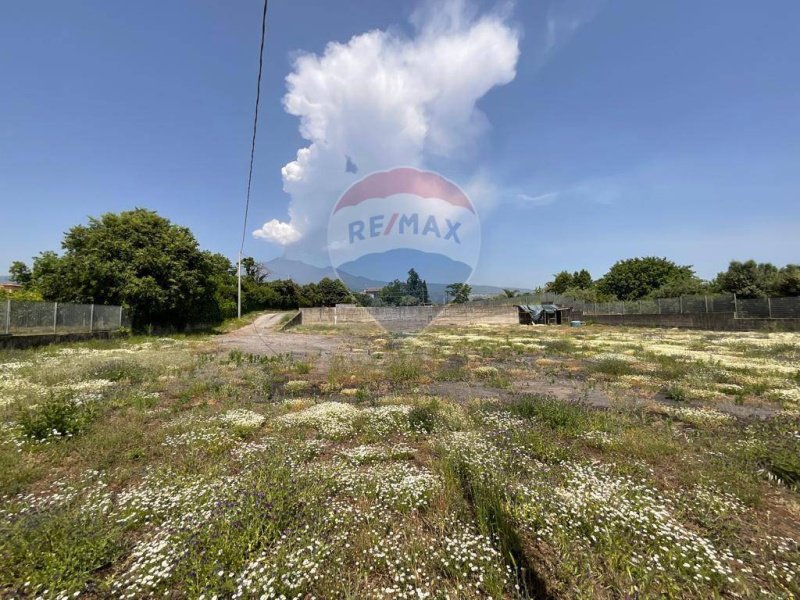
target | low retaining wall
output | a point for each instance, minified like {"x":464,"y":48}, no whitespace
{"x":410,"y":317}
{"x":721,"y":321}
{"x":45,"y":339}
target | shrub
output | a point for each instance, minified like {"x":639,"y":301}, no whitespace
{"x":404,"y":368}
{"x":676,"y":392}
{"x":423,"y":418}
{"x":613,"y":367}
{"x":555,"y":413}
{"x":120,"y":369}
{"x":57,"y":416}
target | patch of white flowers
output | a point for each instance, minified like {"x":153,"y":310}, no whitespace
{"x":243,"y":418}
{"x":339,"y":420}
{"x":485,"y":371}
{"x":296,"y":386}
{"x":699,"y":416}
{"x":586,"y":505}
{"x":376,"y":453}
{"x":333,"y":420}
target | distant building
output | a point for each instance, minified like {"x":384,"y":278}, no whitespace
{"x":372,"y":292}
{"x":10,"y":286}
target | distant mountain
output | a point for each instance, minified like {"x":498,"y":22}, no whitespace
{"x":395,"y":264}
{"x":303,"y":273}
{"x":5,"y":278}
{"x":300,"y":272}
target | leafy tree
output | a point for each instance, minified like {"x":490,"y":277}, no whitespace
{"x":582,"y":279}
{"x":20,"y":273}
{"x":139,"y":260}
{"x":333,"y":292}
{"x":425,"y":297}
{"x":392,"y":293}
{"x":416,"y":287}
{"x":561,"y":281}
{"x":412,"y":292}
{"x":507,"y":293}
{"x":635,"y":278}
{"x":459,"y":292}
{"x":788,"y":283}
{"x":590,"y":294}
{"x":253,"y":270}
{"x":683,"y":285}
{"x":25,"y":294}
{"x":363,"y":299}
{"x":748,"y":279}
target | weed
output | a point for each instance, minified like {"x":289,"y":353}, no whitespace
{"x":57,"y":416}
{"x":563,"y":416}
{"x":424,"y":417}
{"x":404,"y":369}
{"x":676,"y":392}
{"x":120,"y":369}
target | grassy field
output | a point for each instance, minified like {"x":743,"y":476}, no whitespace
{"x":504,"y":462}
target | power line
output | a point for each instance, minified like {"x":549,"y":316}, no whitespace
{"x":252,"y":153}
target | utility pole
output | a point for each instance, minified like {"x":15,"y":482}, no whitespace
{"x":239,"y":283}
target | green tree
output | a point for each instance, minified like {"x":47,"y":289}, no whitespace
{"x":392,"y":293}
{"x":788,"y":283}
{"x":748,"y":279}
{"x":682,"y":285}
{"x":561,"y":281}
{"x":582,"y":279}
{"x":333,"y":292}
{"x":635,"y":278}
{"x":416,"y":287}
{"x":139,"y":260}
{"x":253,"y":270}
{"x":459,"y":292}
{"x":20,"y":273}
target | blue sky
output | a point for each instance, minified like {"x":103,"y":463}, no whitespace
{"x":626,"y":128}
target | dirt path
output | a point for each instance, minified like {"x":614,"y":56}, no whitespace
{"x":263,"y":337}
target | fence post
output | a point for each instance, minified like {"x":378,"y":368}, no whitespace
{"x":735,"y":307}
{"x":680,"y":303}
{"x":705,"y":298}
{"x":769,"y":307}
{"x":658,"y":303}
{"x":119,"y":326}
{"x":91,"y":319}
{"x":8,"y":316}
{"x":55,"y":316}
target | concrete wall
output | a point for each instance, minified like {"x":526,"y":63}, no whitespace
{"x":31,"y":341}
{"x":721,"y":321}
{"x":410,"y":318}
{"x":399,"y":318}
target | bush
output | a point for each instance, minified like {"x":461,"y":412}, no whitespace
{"x":120,"y":369}
{"x":555,"y":413}
{"x":676,"y":392}
{"x":404,"y":368}
{"x":614,"y":367}
{"x":423,"y":418}
{"x":57,"y":416}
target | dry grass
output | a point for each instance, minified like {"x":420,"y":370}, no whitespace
{"x":160,"y":466}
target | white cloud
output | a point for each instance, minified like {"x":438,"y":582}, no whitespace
{"x":385,"y":99}
{"x":278,"y":233}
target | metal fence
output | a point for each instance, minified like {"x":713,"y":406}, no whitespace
{"x":21,"y":318}
{"x":755,"y":308}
